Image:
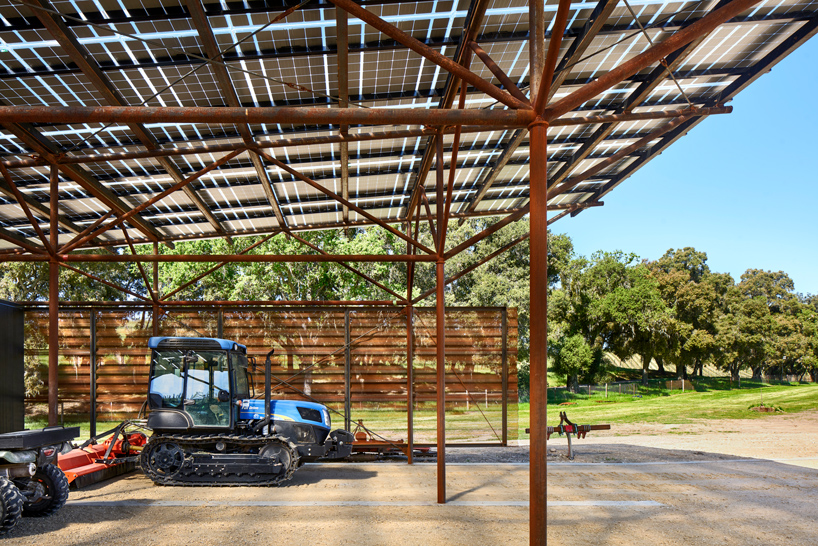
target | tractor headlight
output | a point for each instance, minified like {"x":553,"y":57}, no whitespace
{"x":304,"y":434}
{"x":327,"y":420}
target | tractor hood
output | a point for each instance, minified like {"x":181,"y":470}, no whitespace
{"x":296,"y":411}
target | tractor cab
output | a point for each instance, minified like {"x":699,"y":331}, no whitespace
{"x":194,"y":383}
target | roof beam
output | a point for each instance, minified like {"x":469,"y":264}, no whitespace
{"x":79,"y":54}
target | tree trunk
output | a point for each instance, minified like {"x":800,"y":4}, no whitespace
{"x":660,"y":362}
{"x":645,"y":365}
{"x":734,"y":370}
{"x":681,"y":371}
{"x":757,"y":373}
{"x":573,"y":383}
{"x":814,"y":375}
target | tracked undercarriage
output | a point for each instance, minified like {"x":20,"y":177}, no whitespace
{"x":219,"y":460}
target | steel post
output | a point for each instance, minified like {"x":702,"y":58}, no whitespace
{"x":504,"y":364}
{"x":410,"y":382}
{"x":93,"y":363}
{"x":539,"y":330}
{"x":441,"y":383}
{"x":347,"y":374}
{"x":53,"y":302}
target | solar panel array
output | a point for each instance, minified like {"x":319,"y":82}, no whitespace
{"x":150,"y":52}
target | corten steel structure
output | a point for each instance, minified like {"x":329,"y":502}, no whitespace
{"x":133,"y":121}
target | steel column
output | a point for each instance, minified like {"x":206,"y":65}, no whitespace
{"x":53,"y":304}
{"x":347,"y":374}
{"x":504,"y":364}
{"x":441,"y":383}
{"x":539,"y":330}
{"x":93,"y":409}
{"x":410,"y":382}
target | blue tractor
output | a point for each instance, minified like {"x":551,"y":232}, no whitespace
{"x":209,"y":430}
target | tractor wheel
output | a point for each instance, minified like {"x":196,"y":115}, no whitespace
{"x":11,"y":505}
{"x":46,"y":492}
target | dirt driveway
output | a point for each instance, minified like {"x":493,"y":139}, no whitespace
{"x":741,"y":483}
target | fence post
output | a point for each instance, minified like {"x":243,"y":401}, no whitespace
{"x":347,"y":372}
{"x":606,"y":390}
{"x":504,"y":334}
{"x":93,"y":348}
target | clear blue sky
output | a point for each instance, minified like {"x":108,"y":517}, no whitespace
{"x":741,"y":187}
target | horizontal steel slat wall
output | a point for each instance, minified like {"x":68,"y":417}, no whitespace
{"x":309,"y":355}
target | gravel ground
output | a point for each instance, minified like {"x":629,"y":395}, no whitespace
{"x":734,"y":483}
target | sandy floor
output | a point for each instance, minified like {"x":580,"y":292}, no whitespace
{"x":728,"y":482}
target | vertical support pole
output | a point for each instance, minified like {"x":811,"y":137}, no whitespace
{"x":347,"y":373}
{"x":220,"y":324}
{"x":441,"y":334}
{"x":156,"y":292}
{"x":441,"y":384}
{"x":53,"y":303}
{"x":539,"y":330}
{"x":342,"y":31}
{"x":410,"y":382}
{"x":504,"y":356}
{"x":93,"y":415}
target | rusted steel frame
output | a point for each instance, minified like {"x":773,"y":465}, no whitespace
{"x":552,"y":56}
{"x":281,"y":303}
{"x":429,"y":215}
{"x":217,"y":267}
{"x":410,"y":383}
{"x":103,"y":281}
{"x":53,"y":300}
{"x":243,"y":258}
{"x":73,"y":243}
{"x":342,"y":32}
{"x":539,"y":331}
{"x":652,"y":55}
{"x":329,"y":193}
{"x":422,"y":49}
{"x":142,"y":206}
{"x":22,"y":242}
{"x":513,"y":217}
{"x":498,"y":73}
{"x":440,"y":205}
{"x":602,"y":165}
{"x":216,"y":148}
{"x":23,"y":205}
{"x":452,"y":169}
{"x":440,"y":341}
{"x":472,"y":267}
{"x":536,"y":45}
{"x":156,"y":311}
{"x":268,"y":115}
{"x":361,"y":274}
{"x":639,"y":116}
{"x":139,"y":264}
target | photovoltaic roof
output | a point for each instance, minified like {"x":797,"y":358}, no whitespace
{"x":149,"y":52}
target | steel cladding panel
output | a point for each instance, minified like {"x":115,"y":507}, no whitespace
{"x":12,"y":386}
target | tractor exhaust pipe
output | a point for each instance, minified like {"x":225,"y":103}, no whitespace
{"x":267,"y":366}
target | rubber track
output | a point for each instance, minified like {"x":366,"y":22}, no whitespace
{"x":190,"y":441}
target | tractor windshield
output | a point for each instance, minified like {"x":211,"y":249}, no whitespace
{"x":196,"y":381}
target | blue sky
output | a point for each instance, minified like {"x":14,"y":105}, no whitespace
{"x":741,"y":187}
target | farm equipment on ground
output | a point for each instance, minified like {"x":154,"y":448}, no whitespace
{"x":96,"y":461}
{"x":207,"y":430}
{"x":567,"y":427}
{"x":31,"y":484}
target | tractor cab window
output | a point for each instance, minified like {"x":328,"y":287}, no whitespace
{"x":242,"y":385}
{"x":207,"y":390}
{"x":167,"y":383}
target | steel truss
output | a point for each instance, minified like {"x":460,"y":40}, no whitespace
{"x":533,"y":114}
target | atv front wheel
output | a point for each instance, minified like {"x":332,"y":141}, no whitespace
{"x":46,"y":492}
{"x":11,"y":505}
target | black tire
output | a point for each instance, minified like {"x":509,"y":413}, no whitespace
{"x":11,"y":505}
{"x":52,"y":494}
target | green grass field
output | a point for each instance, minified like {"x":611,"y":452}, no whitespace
{"x":713,"y":399}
